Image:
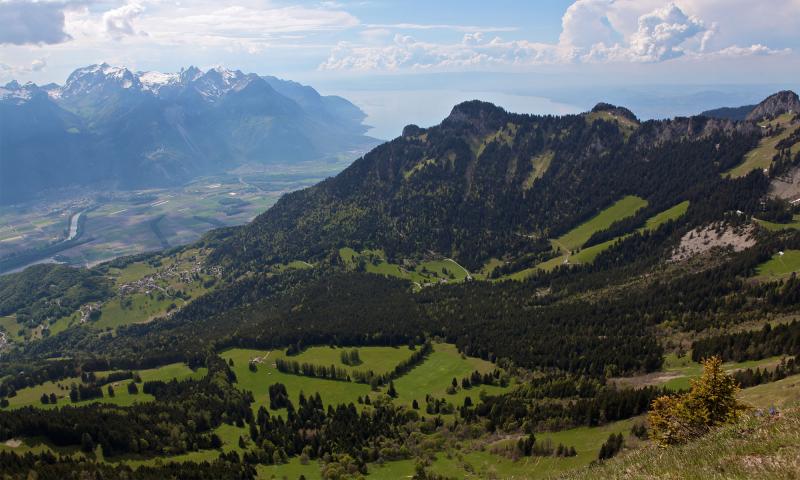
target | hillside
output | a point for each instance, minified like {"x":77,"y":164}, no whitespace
{"x":763,"y":447}
{"x":492,"y":297}
{"x":486,"y":184}
{"x":110,"y":127}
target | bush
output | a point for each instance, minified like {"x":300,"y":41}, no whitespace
{"x":711,"y":401}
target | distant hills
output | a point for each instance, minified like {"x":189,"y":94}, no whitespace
{"x":781,"y":102}
{"x":117,"y":128}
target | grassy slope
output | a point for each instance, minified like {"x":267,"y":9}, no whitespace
{"x":761,"y":156}
{"x":378,"y":359}
{"x":576,"y":237}
{"x":774,"y":227}
{"x":678,"y":371}
{"x":32,"y":395}
{"x":589,"y":254}
{"x":424,"y":273}
{"x":143,"y":307}
{"x":11,"y":327}
{"x":755,"y":447}
{"x":437,"y":372}
{"x":433,"y":376}
{"x":780,"y":266}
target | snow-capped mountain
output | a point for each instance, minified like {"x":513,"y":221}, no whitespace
{"x":104,"y":78}
{"x":136,"y":129}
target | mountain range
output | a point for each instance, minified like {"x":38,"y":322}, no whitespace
{"x":109,"y":126}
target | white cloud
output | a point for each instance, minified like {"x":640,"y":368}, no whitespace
{"x":441,"y":26}
{"x":8,"y":72}
{"x":119,"y":21}
{"x":24,"y":22}
{"x":592,"y":31}
{"x":406,"y":52}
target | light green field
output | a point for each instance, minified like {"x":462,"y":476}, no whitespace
{"x":423,"y":273}
{"x":378,"y":359}
{"x":540,"y":163}
{"x":624,"y":208}
{"x":437,"y":372}
{"x":332,"y":392}
{"x":775,"y":227}
{"x":31,"y":396}
{"x":478,"y":461}
{"x":132,"y":272}
{"x":144,"y":307}
{"x":760,"y":157}
{"x":11,"y":327}
{"x":780,"y":266}
{"x":294,"y":265}
{"x":291,"y":470}
{"x":659,"y":219}
{"x":679,"y":371}
{"x":589,"y":254}
{"x":756,"y":447}
{"x":783,"y":393}
{"x":433,"y":376}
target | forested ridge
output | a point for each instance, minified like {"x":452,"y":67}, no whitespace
{"x":469,"y":188}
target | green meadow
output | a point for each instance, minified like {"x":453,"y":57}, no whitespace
{"x":31,"y":396}
{"x":781,"y":265}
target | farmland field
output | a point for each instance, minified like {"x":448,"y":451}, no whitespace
{"x":122,"y":223}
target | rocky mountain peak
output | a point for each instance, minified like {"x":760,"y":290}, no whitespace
{"x":786,"y":101}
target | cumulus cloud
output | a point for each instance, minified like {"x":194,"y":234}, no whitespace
{"x":24,"y":22}
{"x":118,"y":22}
{"x":592,"y":31}
{"x":406,"y":52}
{"x":9,"y":72}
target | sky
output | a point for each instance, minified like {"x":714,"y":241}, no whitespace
{"x":401,"y":60}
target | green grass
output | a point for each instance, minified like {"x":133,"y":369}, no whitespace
{"x":423,"y":273}
{"x":132,"y":272}
{"x":478,"y":462}
{"x":541,"y":163}
{"x":781,"y":394}
{"x":291,"y":470}
{"x":31,"y":396}
{"x":624,"y":208}
{"x":780,"y":266}
{"x":332,"y":392}
{"x":659,"y":219}
{"x":437,"y":372}
{"x":688,"y":370}
{"x":775,"y":227}
{"x":627,"y":125}
{"x":761,"y":157}
{"x":589,"y":254}
{"x":9,"y":325}
{"x":433,"y":376}
{"x":755,"y":447}
{"x":378,"y":359}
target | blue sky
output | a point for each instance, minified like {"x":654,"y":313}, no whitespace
{"x":569,"y":51}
